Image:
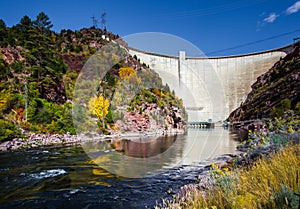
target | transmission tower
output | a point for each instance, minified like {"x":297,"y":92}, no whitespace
{"x":103,"y":20}
{"x":95,"y":21}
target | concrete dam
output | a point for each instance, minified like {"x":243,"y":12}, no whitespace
{"x":211,"y":87}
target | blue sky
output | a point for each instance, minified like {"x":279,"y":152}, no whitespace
{"x":216,"y":27}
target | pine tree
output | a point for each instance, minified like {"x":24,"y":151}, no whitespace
{"x":3,"y":33}
{"x":43,"y":23}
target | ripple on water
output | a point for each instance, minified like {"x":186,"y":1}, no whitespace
{"x":48,"y":173}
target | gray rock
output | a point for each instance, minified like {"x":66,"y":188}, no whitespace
{"x":8,"y":145}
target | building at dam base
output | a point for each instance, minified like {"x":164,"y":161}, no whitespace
{"x":211,"y":87}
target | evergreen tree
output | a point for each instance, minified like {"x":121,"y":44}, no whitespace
{"x":21,"y":30}
{"x":43,"y":23}
{"x":2,"y":24}
{"x":3,"y":33}
{"x":25,"y":23}
{"x":46,"y":66}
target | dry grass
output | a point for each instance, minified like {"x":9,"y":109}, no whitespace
{"x":269,"y":183}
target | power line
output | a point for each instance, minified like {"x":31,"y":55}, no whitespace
{"x":210,"y":10}
{"x":254,"y":42}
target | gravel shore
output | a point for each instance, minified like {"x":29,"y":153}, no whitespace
{"x":35,"y":140}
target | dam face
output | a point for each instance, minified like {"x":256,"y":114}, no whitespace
{"x":211,"y":87}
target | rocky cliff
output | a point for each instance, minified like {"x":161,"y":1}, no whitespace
{"x":274,"y":92}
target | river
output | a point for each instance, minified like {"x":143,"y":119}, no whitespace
{"x":131,"y":173}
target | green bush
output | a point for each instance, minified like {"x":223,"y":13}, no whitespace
{"x":78,"y":49}
{"x":110,"y":117}
{"x":51,"y":117}
{"x":297,"y":108}
{"x":284,"y":198}
{"x":8,"y":130}
{"x":279,"y":110}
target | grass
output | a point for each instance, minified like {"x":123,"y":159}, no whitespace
{"x":269,"y":183}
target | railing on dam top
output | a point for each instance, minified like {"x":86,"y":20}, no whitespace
{"x":152,"y":53}
{"x":285,"y":49}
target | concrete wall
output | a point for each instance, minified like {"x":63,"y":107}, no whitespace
{"x":213,"y":87}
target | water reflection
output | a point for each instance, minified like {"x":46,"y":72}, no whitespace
{"x":144,"y":148}
{"x":135,"y":157}
{"x":139,"y":156}
{"x":207,"y":144}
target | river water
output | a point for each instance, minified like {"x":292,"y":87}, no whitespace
{"x":133,"y":173}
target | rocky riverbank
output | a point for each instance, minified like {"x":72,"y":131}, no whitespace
{"x":261,"y":143}
{"x":36,"y":140}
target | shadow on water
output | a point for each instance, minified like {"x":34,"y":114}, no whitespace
{"x":99,"y":174}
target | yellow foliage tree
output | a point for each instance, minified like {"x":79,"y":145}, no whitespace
{"x":126,"y":72}
{"x":157,"y":92}
{"x":99,"y":107}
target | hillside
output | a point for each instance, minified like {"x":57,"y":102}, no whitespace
{"x":39,"y":69}
{"x":274,"y":92}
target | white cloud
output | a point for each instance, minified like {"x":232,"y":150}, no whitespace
{"x":294,"y":8}
{"x":271,"y":18}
